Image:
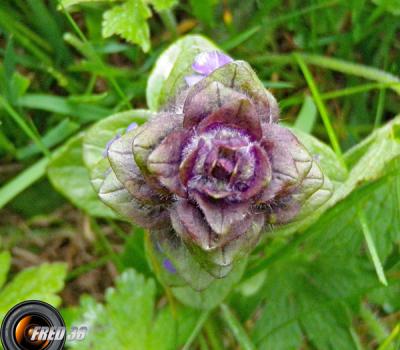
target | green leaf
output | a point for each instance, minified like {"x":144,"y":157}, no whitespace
{"x":61,"y":105}
{"x":129,"y":20}
{"x":70,"y":177}
{"x":391,"y":6}
{"x":167,"y":77}
{"x":216,"y":291}
{"x":41,"y":282}
{"x":96,"y":138}
{"x":5,"y":262}
{"x":69,"y":3}
{"x":371,"y":158}
{"x":128,"y":319}
{"x":161,"y":5}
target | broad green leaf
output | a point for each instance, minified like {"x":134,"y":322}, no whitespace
{"x":129,"y":20}
{"x":161,"y":5}
{"x":96,"y":138}
{"x":41,"y":283}
{"x":128,"y":319}
{"x":5,"y":261}
{"x":68,"y":3}
{"x":371,"y":158}
{"x":382,"y":212}
{"x":354,"y":154}
{"x":167,"y":77}
{"x":326,"y":158}
{"x":69,"y":176}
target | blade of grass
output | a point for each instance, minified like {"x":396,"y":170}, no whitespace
{"x":22,"y":181}
{"x":305,"y":121}
{"x":335,"y":64}
{"x":196,"y":330}
{"x":236,"y":328}
{"x":320,"y":105}
{"x":358,"y":89}
{"x":389,"y":341}
{"x":371,"y":248}
{"x":98,"y":59}
{"x":24,"y":126}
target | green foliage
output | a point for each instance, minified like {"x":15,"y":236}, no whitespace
{"x":66,"y":161}
{"x":129,"y":20}
{"x":129,"y":316}
{"x":161,"y":5}
{"x":310,"y":285}
{"x":41,"y":282}
{"x":172,"y":65}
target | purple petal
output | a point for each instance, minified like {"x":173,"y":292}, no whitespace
{"x":169,"y":266}
{"x":193,"y":79}
{"x":131,"y":127}
{"x":207,"y":62}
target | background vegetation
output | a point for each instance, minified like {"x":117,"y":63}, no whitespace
{"x":333,"y":66}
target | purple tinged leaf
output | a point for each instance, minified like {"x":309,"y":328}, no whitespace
{"x":164,"y":161}
{"x":127,"y":172}
{"x":221,"y":215}
{"x":117,"y":197}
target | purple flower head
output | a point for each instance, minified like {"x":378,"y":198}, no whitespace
{"x":207,"y":180}
{"x":205,"y":63}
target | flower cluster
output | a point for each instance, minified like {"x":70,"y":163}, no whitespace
{"x":207,"y":174}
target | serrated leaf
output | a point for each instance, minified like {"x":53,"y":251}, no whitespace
{"x":128,"y":319}
{"x":167,"y":77}
{"x":70,"y":177}
{"x":129,"y":20}
{"x":41,"y":283}
{"x":97,"y":137}
{"x":161,"y":5}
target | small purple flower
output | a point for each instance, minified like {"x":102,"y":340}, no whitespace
{"x":169,"y":266}
{"x":109,"y":143}
{"x":205,"y":63}
{"x":131,"y":127}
